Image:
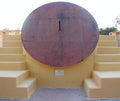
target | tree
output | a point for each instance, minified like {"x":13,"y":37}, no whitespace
{"x":106,"y":31}
{"x":117,"y":21}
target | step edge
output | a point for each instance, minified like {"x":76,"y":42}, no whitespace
{"x":13,"y":76}
{"x":97,"y":73}
{"x":107,"y":63}
{"x":95,"y":86}
{"x":23,"y":85}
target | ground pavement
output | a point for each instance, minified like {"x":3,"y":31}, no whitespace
{"x":60,"y":94}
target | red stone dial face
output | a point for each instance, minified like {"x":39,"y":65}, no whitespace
{"x":60,"y":34}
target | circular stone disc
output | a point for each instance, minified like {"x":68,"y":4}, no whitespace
{"x":60,"y":34}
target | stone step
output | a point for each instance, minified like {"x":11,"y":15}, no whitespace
{"x":13,"y":37}
{"x":107,"y":37}
{"x":104,"y":84}
{"x":12,"y":44}
{"x":110,"y":43}
{"x":12,"y":57}
{"x":104,"y":78}
{"x":108,"y":50}
{"x":107,"y":57}
{"x":107,"y":74}
{"x":12,"y":65}
{"x":107,"y":66}
{"x":18,"y":76}
{"x":13,"y":77}
{"x":11,"y":50}
{"x":91,"y":84}
{"x":28,"y":87}
{"x":91,"y":88}
{"x":11,"y":74}
{"x":16,"y":84}
{"x":21,"y":78}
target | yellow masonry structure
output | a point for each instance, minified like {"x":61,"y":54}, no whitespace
{"x":99,"y":73}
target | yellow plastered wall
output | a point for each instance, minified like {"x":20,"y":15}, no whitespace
{"x":73,"y":75}
{"x":0,"y":40}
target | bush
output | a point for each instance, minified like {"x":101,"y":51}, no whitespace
{"x":107,"y":30}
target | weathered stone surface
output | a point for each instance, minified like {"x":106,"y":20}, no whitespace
{"x":60,"y":34}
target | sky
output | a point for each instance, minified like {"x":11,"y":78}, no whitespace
{"x":14,"y":12}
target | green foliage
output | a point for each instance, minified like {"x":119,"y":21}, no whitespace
{"x":107,"y":30}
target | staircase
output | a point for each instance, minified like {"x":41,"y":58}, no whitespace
{"x":105,"y":78}
{"x":15,"y":79}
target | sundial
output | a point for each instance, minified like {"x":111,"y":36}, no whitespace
{"x":60,"y":34}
